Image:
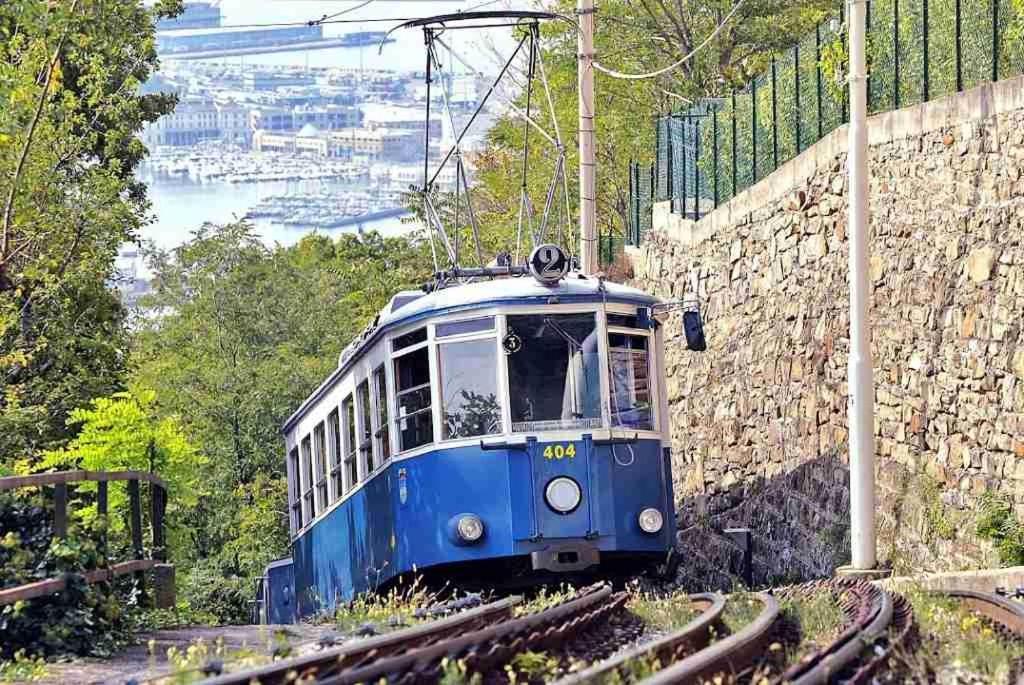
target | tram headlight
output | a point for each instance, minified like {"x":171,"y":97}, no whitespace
{"x":470,"y":528}
{"x":651,"y":520}
{"x":563,"y":494}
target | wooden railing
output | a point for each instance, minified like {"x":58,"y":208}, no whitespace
{"x":60,"y":481}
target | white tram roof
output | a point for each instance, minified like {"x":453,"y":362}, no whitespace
{"x":411,"y":305}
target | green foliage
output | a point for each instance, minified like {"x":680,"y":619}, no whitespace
{"x":530,"y":666}
{"x":244,"y":335}
{"x":22,"y":668}
{"x":455,"y":672}
{"x":957,"y":639}
{"x":214,"y":595}
{"x":69,"y":109}
{"x":996,"y":522}
{"x":401,"y":605}
{"x":662,"y":613}
{"x":124,"y":432}
{"x":82,"y":620}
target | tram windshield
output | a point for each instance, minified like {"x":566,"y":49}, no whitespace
{"x":554,"y":375}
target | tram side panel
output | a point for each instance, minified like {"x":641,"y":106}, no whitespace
{"x":349,"y":550}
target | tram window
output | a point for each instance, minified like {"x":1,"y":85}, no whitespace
{"x":623,"y":320}
{"x":296,"y":489}
{"x":351,"y":446}
{"x":308,"y":507}
{"x":630,"y":381}
{"x":409,"y":339}
{"x":412,"y":378}
{"x":382,"y":435}
{"x":444,"y":330}
{"x":554,"y":374}
{"x":334,"y":446}
{"x":320,"y":455}
{"x":469,"y":388}
{"x":365,"y":429}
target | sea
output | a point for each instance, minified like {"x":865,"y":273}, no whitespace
{"x":180,"y":206}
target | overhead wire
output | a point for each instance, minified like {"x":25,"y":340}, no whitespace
{"x":675,"y":65}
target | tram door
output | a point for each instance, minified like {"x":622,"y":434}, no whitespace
{"x":554,"y":491}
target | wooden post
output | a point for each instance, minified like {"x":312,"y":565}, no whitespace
{"x":136,"y":529}
{"x":60,"y":510}
{"x":158,"y":503}
{"x":101,"y":508}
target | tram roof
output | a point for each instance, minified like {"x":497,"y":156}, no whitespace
{"x":409,"y":306}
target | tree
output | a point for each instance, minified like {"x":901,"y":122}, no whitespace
{"x":70,"y":71}
{"x":632,"y":37}
{"x":125,"y":432}
{"x":244,"y":333}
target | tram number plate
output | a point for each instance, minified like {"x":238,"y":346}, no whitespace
{"x":560,"y":451}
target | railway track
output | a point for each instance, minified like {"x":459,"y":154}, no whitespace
{"x":874,"y":625}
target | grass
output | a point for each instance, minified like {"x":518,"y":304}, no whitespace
{"x":741,"y":608}
{"x":545,"y":599}
{"x":396,"y":608}
{"x":956,"y":639}
{"x":187,"y":665}
{"x":22,"y":669}
{"x":527,"y":667}
{"x":664,"y":613}
{"x":819,"y":618}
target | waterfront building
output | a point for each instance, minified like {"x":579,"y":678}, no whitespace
{"x":209,"y":39}
{"x":397,"y":117}
{"x":371,"y":144}
{"x":257,"y":80}
{"x":192,"y":120}
{"x":197,"y":15}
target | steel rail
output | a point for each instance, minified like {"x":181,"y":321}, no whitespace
{"x":729,"y":655}
{"x":850,"y":646}
{"x":314,"y":665}
{"x":489,"y":644}
{"x":994,"y":607}
{"x":694,"y":635}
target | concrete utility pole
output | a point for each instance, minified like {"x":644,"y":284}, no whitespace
{"x":860,"y":375}
{"x":588,"y":167}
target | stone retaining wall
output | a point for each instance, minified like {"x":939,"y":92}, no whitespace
{"x":759,"y":420}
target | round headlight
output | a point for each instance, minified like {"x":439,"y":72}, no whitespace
{"x":651,"y":520}
{"x":470,"y":528}
{"x":563,"y":494}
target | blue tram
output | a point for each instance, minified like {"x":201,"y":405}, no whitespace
{"x":509,"y":428}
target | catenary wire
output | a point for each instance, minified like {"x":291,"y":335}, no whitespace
{"x":686,"y":58}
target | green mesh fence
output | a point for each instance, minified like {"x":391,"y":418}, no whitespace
{"x":918,"y":50}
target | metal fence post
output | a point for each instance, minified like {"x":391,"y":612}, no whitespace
{"x":796,"y":91}
{"x":925,"y":85}
{"x":682,"y":130}
{"x":896,"y":54}
{"x":735,"y":177}
{"x":817,"y":78}
{"x":775,"y":117}
{"x":995,"y":40}
{"x":657,"y":152}
{"x":959,"y":48}
{"x":696,"y":169}
{"x":714,"y":133}
{"x":670,"y":184}
{"x":753,"y":127}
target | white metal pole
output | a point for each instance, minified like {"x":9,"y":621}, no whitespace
{"x":859,"y":374}
{"x":588,"y":179}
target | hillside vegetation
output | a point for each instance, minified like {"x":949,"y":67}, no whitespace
{"x":236,"y":334}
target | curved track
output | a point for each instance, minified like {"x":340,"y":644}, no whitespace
{"x":730,"y":655}
{"x":333,"y":659}
{"x":693,"y":636}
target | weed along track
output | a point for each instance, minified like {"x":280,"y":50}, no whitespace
{"x":827,"y":631}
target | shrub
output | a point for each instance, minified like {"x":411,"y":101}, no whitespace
{"x":83,"y":620}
